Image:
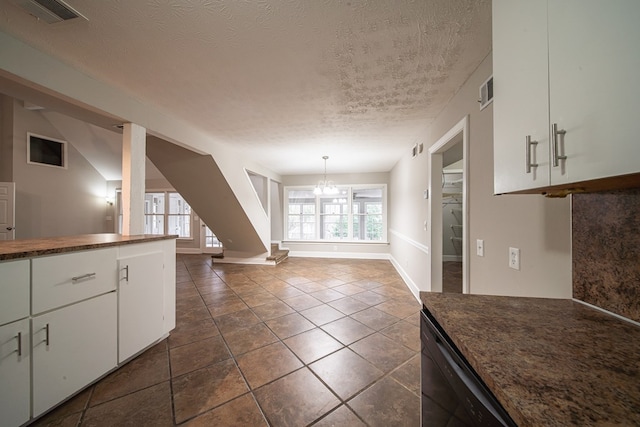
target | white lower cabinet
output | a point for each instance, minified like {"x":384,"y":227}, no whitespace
{"x":14,"y":372}
{"x":72,"y":347}
{"x":140,"y":302}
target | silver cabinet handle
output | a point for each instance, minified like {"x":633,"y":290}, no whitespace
{"x":46,"y":337}
{"x":19,"y":337}
{"x":84,"y":276}
{"x":556,"y":153}
{"x":126,"y":277}
{"x":528,"y":144}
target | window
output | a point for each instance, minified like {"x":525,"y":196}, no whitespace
{"x":356,"y":213}
{"x":46,"y":151}
{"x":165,"y":212}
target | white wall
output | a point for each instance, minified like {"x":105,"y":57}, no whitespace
{"x":539,"y":227}
{"x":53,"y":201}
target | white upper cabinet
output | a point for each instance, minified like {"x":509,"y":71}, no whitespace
{"x":570,"y":66}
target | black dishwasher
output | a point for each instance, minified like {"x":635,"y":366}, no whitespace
{"x":452,"y":393}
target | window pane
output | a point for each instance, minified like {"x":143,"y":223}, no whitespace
{"x":154,"y":224}
{"x":367,"y":218}
{"x":154,"y":203}
{"x":177,"y":205}
{"x":302,"y":215}
{"x":180,"y":225}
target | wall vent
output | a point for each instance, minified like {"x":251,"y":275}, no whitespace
{"x":50,"y":11}
{"x":486,"y":93}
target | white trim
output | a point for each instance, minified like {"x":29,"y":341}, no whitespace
{"x":342,"y":255}
{"x":423,"y":248}
{"x":605,"y":311}
{"x":435,"y":203}
{"x":195,"y":251}
{"x":253,"y":260}
{"x":415,"y":290}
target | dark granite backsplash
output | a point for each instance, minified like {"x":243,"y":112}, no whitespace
{"x":606,"y":250}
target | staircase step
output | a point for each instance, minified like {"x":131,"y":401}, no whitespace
{"x":278,"y":255}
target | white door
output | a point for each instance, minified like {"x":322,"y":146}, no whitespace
{"x":209,"y":243}
{"x":7,"y":210}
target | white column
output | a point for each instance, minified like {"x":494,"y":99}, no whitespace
{"x":133,"y":178}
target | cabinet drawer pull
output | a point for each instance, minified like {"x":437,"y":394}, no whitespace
{"x":19,"y":337}
{"x":46,"y":336}
{"x":126,"y":277}
{"x":555,"y":146}
{"x":84,"y":276}
{"x":528,"y":144}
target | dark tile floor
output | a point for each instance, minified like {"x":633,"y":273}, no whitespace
{"x":320,"y":342}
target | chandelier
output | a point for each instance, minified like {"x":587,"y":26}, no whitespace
{"x":325,"y":186}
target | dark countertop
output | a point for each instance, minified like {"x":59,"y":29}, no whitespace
{"x":27,"y":248}
{"x":549,"y":362}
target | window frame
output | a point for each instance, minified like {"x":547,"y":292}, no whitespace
{"x":64,"y":151}
{"x":319,"y":222}
{"x":165,"y":215}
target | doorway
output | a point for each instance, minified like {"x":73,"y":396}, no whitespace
{"x":209,"y":243}
{"x":7,"y":210}
{"x":448,"y":210}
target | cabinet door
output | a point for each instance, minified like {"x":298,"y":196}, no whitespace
{"x":72,"y":347}
{"x":14,"y":290}
{"x":594,"y":60}
{"x":15,"y":384}
{"x":140,"y":302}
{"x":521,"y":102}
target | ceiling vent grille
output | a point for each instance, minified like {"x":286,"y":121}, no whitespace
{"x":50,"y":11}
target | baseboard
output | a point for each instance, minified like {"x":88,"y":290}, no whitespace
{"x":341,"y":255}
{"x":415,"y":290}
{"x":189,"y":251}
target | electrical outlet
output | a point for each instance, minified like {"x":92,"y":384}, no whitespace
{"x":480,"y":247}
{"x":514,"y":258}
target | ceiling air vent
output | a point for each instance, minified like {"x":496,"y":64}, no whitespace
{"x":50,"y":11}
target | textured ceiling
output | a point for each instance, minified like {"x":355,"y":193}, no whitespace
{"x":286,"y":81}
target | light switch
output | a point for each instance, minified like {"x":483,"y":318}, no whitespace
{"x":480,"y":247}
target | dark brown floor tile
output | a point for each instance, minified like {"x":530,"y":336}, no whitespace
{"x":231,"y":306}
{"x":148,"y":407}
{"x":289,"y":325}
{"x":296,"y":280}
{"x":199,"y":391}
{"x":295,"y":400}
{"x":399,"y":308}
{"x":342,"y":416}
{"x":345,"y":372}
{"x":404,"y":333}
{"x":302,"y":302}
{"x":348,"y":305}
{"x":186,"y":333}
{"x":192,"y":313}
{"x":347,"y":330}
{"x":383,"y":352}
{"x":387,"y":403}
{"x":185,"y":291}
{"x":322,"y":314}
{"x":273,"y":310}
{"x":312,"y":345}
{"x":331,"y":282}
{"x":370,"y":297}
{"x":267,"y":364}
{"x":414,"y":319}
{"x":259,"y":298}
{"x":197,"y":355}
{"x":327,"y":295}
{"x":349,"y":289}
{"x":240,"y":412}
{"x":237,"y":320}
{"x":151,"y":367}
{"x":374,"y":318}
{"x":67,"y":414}
{"x":251,"y":338}
{"x":275,"y":284}
{"x":409,"y":374}
{"x":212,"y":286}
{"x":367,"y":284}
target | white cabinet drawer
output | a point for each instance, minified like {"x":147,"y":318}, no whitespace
{"x":63,"y":279}
{"x":14,"y":290}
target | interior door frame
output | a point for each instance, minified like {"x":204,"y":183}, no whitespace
{"x":435,"y":203}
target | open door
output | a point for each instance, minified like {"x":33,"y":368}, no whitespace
{"x":7,"y":210}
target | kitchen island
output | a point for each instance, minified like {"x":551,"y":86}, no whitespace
{"x":548,"y":362}
{"x":73,"y":309}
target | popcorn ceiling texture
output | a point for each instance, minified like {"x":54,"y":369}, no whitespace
{"x":286,"y":80}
